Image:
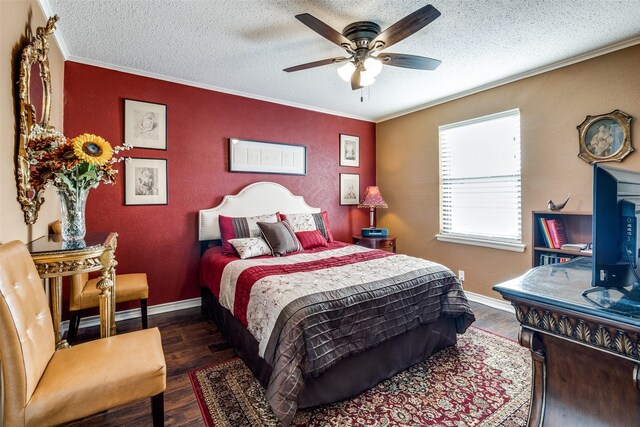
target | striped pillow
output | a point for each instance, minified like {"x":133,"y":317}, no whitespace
{"x":240,"y":228}
{"x":311,"y":239}
{"x":309,"y":222}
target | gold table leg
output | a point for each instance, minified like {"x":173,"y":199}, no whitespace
{"x":113,"y":302}
{"x":56,"y":312}
{"x":107,"y":300}
{"x":104,"y":285}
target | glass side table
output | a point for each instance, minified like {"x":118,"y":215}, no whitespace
{"x":56,"y":258}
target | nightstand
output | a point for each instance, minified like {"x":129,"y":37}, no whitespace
{"x":387,"y":243}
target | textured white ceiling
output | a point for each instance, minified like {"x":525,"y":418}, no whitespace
{"x":241,"y":46}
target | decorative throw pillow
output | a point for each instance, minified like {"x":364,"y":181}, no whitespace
{"x":311,"y":239}
{"x":250,"y":247}
{"x":240,"y":227}
{"x":309,"y":222}
{"x":280,"y":237}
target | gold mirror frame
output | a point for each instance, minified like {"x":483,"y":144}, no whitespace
{"x":605,"y":138}
{"x":36,"y":52}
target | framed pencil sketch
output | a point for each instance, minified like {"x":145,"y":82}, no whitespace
{"x":349,"y":189}
{"x":145,"y":181}
{"x":605,"y":138}
{"x":145,"y":124}
{"x":267,"y":157}
{"x":349,"y":150}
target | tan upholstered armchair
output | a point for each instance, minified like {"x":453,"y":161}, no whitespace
{"x":45,"y":387}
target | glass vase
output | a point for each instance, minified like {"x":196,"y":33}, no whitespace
{"x":72,"y":203}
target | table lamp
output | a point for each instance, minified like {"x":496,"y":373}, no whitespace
{"x":373,"y":199}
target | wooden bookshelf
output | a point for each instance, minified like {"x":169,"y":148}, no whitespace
{"x":577,"y":226}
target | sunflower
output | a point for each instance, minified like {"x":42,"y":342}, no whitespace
{"x":92,"y":149}
{"x":65,"y":156}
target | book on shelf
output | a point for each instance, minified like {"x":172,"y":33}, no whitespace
{"x":557,"y":232}
{"x":574,"y":246}
{"x":545,"y":233}
{"x":547,"y":259}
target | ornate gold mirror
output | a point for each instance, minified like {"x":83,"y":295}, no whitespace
{"x":35,"y":107}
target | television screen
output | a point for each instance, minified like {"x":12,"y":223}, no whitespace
{"x":616,"y":209}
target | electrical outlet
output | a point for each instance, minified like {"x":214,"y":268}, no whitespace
{"x":461,"y":275}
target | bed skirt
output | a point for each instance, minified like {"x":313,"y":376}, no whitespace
{"x":351,"y":376}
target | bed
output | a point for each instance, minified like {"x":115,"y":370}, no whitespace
{"x":324,"y":324}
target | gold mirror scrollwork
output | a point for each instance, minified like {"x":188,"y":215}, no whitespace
{"x":35,"y":57}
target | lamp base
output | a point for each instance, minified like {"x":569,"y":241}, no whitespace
{"x":374,"y":232}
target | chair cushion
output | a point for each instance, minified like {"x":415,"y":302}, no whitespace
{"x":98,"y":375}
{"x":129,"y":287}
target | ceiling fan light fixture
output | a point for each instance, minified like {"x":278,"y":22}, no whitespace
{"x":366,"y":78}
{"x":373,"y":66}
{"x":346,"y":71}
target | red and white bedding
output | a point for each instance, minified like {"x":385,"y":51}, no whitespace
{"x":310,"y":309}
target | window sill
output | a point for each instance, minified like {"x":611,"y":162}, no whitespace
{"x":505,"y":246}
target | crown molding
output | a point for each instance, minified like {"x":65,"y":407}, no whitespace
{"x":554,"y":66}
{"x":45,"y":8}
{"x":211,"y":87}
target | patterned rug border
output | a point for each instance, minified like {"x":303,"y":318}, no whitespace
{"x":202,"y":400}
{"x":198,"y":391}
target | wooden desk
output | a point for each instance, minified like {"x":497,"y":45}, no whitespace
{"x":586,"y":352}
{"x":55,"y":258}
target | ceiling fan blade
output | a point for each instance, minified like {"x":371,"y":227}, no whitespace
{"x":406,"y":26}
{"x":315,"y":64}
{"x":409,"y":61}
{"x":323,"y":29}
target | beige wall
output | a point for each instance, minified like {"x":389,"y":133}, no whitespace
{"x":551,"y":106}
{"x":16,"y":18}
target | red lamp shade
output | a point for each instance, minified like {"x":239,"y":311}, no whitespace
{"x":372,"y":199}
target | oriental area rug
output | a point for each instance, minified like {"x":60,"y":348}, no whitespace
{"x":484,"y":381}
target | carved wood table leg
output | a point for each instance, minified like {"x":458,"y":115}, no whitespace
{"x":530,"y":340}
{"x":56,"y":312}
{"x":104,"y":285}
{"x":113,"y":297}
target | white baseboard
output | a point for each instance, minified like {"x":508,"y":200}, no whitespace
{"x":196,"y":302}
{"x":491,"y":302}
{"x":135,"y":313}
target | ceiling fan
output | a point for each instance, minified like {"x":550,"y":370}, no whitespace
{"x":364,"y":42}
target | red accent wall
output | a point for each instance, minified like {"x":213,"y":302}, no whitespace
{"x":162,"y":240}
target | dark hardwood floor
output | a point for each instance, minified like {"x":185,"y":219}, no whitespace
{"x":190,"y":340}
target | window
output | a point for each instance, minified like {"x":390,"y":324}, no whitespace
{"x":480,"y":182}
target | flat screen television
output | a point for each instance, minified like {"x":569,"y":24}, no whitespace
{"x":616,"y":211}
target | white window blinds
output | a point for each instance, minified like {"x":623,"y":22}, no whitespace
{"x":480,"y":178}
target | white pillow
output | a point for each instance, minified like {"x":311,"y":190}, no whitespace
{"x":250,"y":247}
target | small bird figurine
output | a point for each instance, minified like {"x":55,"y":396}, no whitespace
{"x":553,"y":207}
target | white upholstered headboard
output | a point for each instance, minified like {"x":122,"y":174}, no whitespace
{"x":258,"y":198}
